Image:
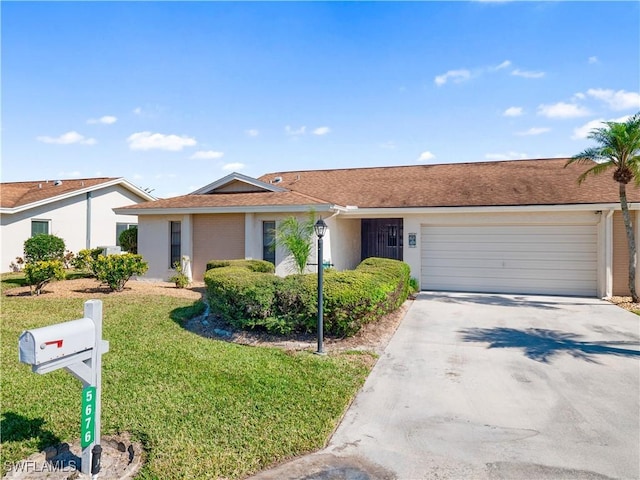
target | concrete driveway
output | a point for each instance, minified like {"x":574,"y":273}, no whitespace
{"x":494,"y":387}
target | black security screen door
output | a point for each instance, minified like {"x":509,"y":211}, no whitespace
{"x":382,"y":237}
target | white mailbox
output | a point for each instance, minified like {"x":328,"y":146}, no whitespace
{"x":76,"y":346}
{"x":42,"y":345}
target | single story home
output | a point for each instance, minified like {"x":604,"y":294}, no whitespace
{"x":79,"y":211}
{"x":522,"y":226}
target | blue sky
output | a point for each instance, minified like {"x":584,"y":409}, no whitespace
{"x":173,"y":96}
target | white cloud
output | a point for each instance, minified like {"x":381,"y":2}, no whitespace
{"x":584,"y":130}
{"x":456,"y":76}
{"x":593,"y":60}
{"x":67,"y":139}
{"x":562,"y":110}
{"x":106,"y":120}
{"x":252,"y":132}
{"x":388,"y":145}
{"x":620,"y":100}
{"x":534,"y":131}
{"x":321,"y":131}
{"x":137,"y":110}
{"x":295,"y":132}
{"x":233,"y":166}
{"x":504,"y":64}
{"x":159,"y":141}
{"x":527,"y":74}
{"x":206,"y":155}
{"x":506,"y":156}
{"x":513,"y":112}
{"x":425,"y":156}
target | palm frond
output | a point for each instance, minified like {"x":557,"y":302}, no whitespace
{"x":597,"y":169}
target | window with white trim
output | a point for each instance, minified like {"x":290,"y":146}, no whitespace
{"x":39,"y":226}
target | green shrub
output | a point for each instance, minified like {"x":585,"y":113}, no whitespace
{"x":43,"y":247}
{"x":179,"y":278}
{"x":128,"y":240}
{"x":85,"y":260}
{"x":41,"y":272}
{"x":248,"y":299}
{"x":116,"y":270}
{"x":244,"y":298}
{"x":414,"y":286}
{"x":261,"y":266}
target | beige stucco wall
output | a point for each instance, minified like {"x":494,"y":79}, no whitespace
{"x":216,"y":237}
{"x":620,"y":264}
{"x":68,"y":220}
{"x":344,"y":246}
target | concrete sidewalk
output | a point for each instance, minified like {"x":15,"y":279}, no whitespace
{"x":494,"y":387}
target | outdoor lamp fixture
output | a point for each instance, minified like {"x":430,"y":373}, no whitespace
{"x":320,"y":227}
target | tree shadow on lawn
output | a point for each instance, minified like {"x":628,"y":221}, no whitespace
{"x":542,"y":345}
{"x":16,"y":428}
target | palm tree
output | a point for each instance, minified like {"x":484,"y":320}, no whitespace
{"x":295,"y":236}
{"x":618,"y":149}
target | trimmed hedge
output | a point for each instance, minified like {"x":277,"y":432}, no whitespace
{"x":253,"y":265}
{"x":249,"y":298}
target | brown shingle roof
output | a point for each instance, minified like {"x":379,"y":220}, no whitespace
{"x":219,"y":200}
{"x":517,"y":182}
{"x":17,"y":194}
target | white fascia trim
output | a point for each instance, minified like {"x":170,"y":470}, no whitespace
{"x":358,"y":212}
{"x":117,"y":181}
{"x":239,"y":177}
{"x":239,"y":209}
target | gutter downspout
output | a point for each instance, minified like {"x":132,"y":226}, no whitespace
{"x":88,"y":239}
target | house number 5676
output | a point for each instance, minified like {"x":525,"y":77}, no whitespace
{"x":87,"y":430}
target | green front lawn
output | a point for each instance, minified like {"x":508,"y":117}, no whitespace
{"x":202,"y":408}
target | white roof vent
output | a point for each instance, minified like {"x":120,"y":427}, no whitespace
{"x":57,"y":183}
{"x":276,"y":180}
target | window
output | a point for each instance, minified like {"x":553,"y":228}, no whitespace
{"x":39,"y":226}
{"x":175,"y":253}
{"x":392,"y":236}
{"x":268,"y":241}
{"x":121,"y":227}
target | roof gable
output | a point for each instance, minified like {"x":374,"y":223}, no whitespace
{"x":237,"y":183}
{"x":18,"y":196}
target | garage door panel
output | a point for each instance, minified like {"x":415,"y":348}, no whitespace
{"x":510,"y":258}
{"x":520,"y":238}
{"x":542,"y":252}
{"x":509,"y":229}
{"x":538,"y":247}
{"x":518,"y":264}
{"x":482,"y":273}
{"x":542,"y":288}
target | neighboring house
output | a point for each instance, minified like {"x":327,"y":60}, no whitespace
{"x":79,"y":211}
{"x":522,"y":226}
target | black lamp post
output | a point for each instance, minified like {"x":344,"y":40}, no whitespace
{"x":320,"y":227}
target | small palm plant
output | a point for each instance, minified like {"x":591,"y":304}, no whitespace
{"x":179,"y":278}
{"x":296,"y":237}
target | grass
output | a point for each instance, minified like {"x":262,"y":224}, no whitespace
{"x":201,"y":408}
{"x":17,"y":279}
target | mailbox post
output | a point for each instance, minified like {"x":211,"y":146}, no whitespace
{"x":76,"y":346}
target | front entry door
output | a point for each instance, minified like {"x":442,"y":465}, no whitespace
{"x":382,"y":237}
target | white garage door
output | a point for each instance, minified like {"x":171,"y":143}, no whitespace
{"x":547,"y":259}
